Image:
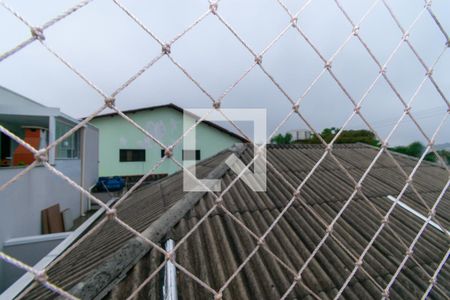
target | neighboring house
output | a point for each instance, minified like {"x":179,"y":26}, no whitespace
{"x":126,"y":151}
{"x":112,"y":263}
{"x":22,"y":202}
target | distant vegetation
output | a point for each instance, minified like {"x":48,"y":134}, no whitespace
{"x":346,"y":137}
{"x":414,"y":149}
{"x":281,"y":139}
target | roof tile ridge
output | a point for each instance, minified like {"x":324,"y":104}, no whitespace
{"x":99,"y":282}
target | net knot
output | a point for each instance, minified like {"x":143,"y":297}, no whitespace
{"x":41,"y":276}
{"x":295,"y":107}
{"x":41,"y":156}
{"x":111,"y":214}
{"x":169,"y":256}
{"x":166,"y":49}
{"x":218,"y":296}
{"x":110,"y":102}
{"x":405,"y":36}
{"x":216,"y":104}
{"x":407,"y":110}
{"x":294,"y":21}
{"x":168,"y":152}
{"x":38,"y":33}
{"x":213,"y":8}
{"x":328,"y":65}
{"x":432,"y":213}
{"x":355,"y":30}
{"x":329,"y":229}
{"x":258,"y":59}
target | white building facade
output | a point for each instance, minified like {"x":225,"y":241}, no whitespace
{"x":22,"y":202}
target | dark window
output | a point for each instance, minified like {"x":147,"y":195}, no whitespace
{"x":5,"y":146}
{"x":132,"y":154}
{"x":191,"y":155}
{"x":163,"y":153}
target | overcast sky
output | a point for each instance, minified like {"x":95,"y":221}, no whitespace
{"x":104,"y":44}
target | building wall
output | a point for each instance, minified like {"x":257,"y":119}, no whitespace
{"x":91,"y":165}
{"x":166,"y":124}
{"x":22,"y":202}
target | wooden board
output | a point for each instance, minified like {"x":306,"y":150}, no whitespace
{"x":44,"y":221}
{"x":52,"y":217}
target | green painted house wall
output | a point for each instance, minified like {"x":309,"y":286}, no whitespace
{"x":166,"y":124}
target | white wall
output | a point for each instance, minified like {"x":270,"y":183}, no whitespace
{"x":21,"y":203}
{"x":91,"y":156}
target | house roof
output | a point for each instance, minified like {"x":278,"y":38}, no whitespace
{"x":16,"y":108}
{"x":112,"y":263}
{"x":177,"y":108}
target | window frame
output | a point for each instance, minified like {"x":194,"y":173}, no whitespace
{"x":73,"y":141}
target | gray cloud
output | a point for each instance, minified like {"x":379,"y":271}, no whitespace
{"x":103,"y":43}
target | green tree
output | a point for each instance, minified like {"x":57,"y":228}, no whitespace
{"x":281,"y":139}
{"x":346,"y":136}
{"x":445,"y":154}
{"x":414,"y":149}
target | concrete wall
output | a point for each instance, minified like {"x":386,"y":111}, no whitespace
{"x":90,"y":157}
{"x":21,"y":202}
{"x":166,"y":124}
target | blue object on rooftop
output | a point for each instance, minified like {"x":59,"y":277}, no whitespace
{"x":115,"y":183}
